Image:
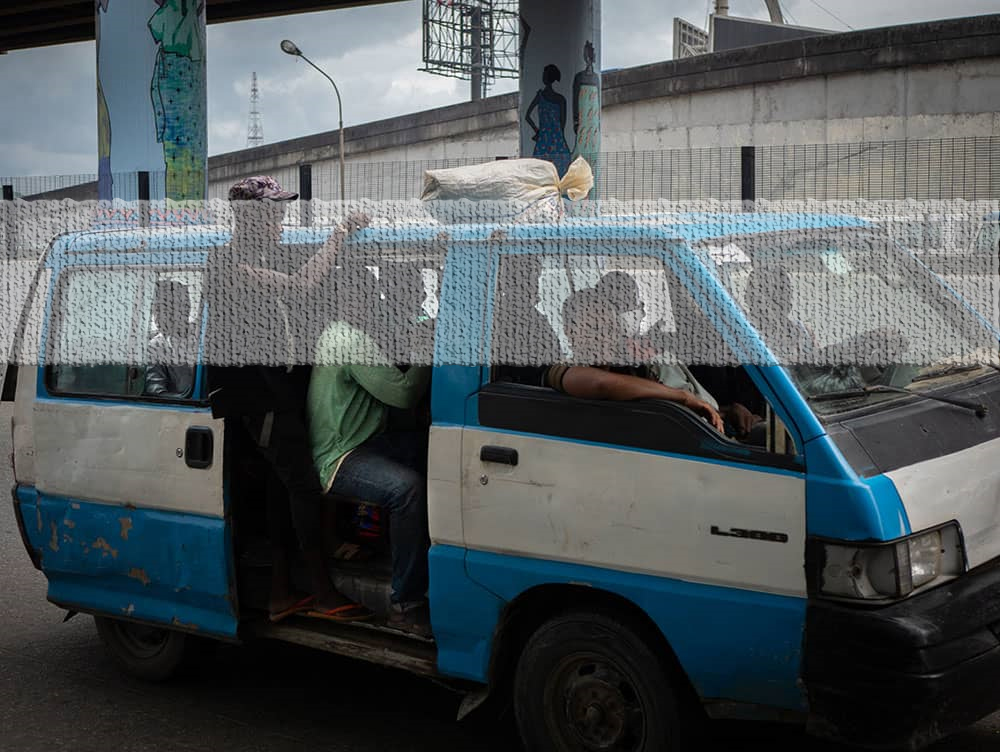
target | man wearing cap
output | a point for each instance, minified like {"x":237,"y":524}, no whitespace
{"x":247,"y":340}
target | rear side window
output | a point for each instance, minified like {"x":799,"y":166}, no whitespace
{"x":124,"y":333}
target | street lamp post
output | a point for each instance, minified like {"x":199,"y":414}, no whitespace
{"x":289,"y":47}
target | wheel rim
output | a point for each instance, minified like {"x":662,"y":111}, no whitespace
{"x":591,"y":703}
{"x":140,"y":640}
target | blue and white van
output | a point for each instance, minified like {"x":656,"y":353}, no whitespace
{"x":597,"y":563}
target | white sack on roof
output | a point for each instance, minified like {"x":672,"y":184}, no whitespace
{"x":520,"y":180}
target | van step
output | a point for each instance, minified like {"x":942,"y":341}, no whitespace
{"x":363,"y":641}
{"x":365,"y":583}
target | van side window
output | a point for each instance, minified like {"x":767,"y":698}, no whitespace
{"x":124,"y":333}
{"x":656,"y":324}
{"x":525,"y":330}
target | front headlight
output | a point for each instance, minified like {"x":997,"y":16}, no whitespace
{"x":885,"y":571}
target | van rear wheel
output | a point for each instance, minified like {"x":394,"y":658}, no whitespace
{"x":588,"y":681}
{"x":146,"y":652}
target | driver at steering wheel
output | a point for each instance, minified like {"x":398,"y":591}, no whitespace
{"x":592,"y":326}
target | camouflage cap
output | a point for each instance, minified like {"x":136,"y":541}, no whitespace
{"x":258,"y":188}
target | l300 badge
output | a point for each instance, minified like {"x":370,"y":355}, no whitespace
{"x":761,"y":535}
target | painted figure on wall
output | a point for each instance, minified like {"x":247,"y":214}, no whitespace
{"x":105,"y":180}
{"x":126,"y":127}
{"x":549,"y":132}
{"x":178,"y":93}
{"x":587,"y":109}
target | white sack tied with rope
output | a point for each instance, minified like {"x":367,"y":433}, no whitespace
{"x":517,"y":180}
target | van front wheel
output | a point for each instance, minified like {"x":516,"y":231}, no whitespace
{"x":146,"y":652}
{"x":588,"y":681}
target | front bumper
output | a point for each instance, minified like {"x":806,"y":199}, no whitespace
{"x":902,"y":676}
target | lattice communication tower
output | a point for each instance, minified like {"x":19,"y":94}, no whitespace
{"x":475,"y":40}
{"x":255,"y":125}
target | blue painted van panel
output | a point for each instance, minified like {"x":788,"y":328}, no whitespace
{"x":464,"y":616}
{"x":734,"y":644}
{"x":163,"y":567}
{"x":839,"y":504}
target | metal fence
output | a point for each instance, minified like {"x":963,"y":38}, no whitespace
{"x":950,"y":168}
{"x":674,"y":174}
{"x":966,"y":168}
{"x":956,"y":168}
{"x":42,"y":185}
{"x":127,"y":186}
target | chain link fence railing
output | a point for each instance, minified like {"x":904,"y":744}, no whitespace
{"x":959,"y":168}
{"x":922,"y":170}
{"x":949,"y":168}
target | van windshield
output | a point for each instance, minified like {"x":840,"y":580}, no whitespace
{"x":845,"y":310}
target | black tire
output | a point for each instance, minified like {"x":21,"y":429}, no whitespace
{"x":588,"y":681}
{"x":150,"y":653}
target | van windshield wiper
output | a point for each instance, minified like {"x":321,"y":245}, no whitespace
{"x":978,"y":408}
{"x":949,"y":371}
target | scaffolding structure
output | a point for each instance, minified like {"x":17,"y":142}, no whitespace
{"x":474,"y":40}
{"x":689,"y":40}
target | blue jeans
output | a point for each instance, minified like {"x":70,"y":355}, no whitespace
{"x":388,"y":470}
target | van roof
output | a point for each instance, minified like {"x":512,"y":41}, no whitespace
{"x":691,"y":227}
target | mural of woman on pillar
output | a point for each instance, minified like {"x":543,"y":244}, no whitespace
{"x":587,"y":109}
{"x":178,"y":93}
{"x":549,"y":138}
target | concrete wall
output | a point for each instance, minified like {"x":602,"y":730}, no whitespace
{"x":921,"y":81}
{"x":945,"y":100}
{"x":930,"y":80}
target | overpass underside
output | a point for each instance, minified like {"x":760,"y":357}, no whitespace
{"x":38,"y":23}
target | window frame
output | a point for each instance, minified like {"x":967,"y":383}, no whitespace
{"x":526,"y":408}
{"x":547,"y":412}
{"x":195,"y":398}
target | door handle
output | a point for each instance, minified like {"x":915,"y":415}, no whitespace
{"x":198,"y":445}
{"x":498,"y":454}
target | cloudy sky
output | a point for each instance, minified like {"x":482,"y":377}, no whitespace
{"x":49,"y":116}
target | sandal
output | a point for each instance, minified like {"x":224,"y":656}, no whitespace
{"x":297,"y":607}
{"x":347,"y":612}
{"x":414,"y":621}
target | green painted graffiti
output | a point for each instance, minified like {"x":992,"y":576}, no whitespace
{"x":179,"y":95}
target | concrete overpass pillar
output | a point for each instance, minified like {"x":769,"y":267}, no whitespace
{"x":560,"y":104}
{"x":152,"y":98}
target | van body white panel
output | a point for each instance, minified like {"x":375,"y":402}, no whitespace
{"x":125,"y":454}
{"x":942,"y":489}
{"x":444,"y":485}
{"x":636,"y":511}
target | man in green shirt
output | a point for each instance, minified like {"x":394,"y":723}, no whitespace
{"x":353,"y":386}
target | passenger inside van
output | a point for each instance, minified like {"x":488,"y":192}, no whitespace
{"x":619,"y":292}
{"x":592,"y":325}
{"x":518,"y":321}
{"x":173,"y":348}
{"x":353,"y":386}
{"x":769,"y":306}
{"x":412,"y":337}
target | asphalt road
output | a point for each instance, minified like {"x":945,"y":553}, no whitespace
{"x":59,"y":691}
